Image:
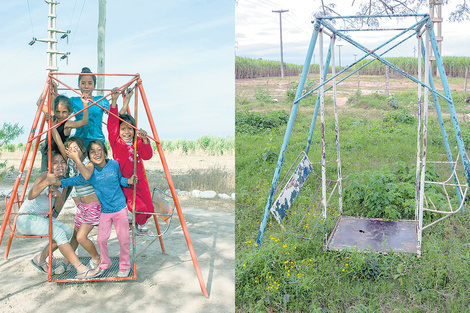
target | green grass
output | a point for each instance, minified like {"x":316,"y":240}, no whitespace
{"x":207,"y":145}
{"x":252,"y":68}
{"x":290,"y":271}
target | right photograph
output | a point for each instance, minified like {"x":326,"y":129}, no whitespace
{"x":352,"y":172}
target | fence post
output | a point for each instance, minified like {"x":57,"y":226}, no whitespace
{"x":466,"y":77}
{"x":358,"y":81}
{"x":387,"y":75}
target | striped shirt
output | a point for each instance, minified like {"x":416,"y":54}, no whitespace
{"x":84,"y":190}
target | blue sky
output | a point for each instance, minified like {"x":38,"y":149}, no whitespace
{"x":183,"y":50}
{"x":257,"y":31}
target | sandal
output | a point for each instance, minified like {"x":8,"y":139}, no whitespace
{"x":39,"y":266}
{"x":88,"y":273}
{"x":62,"y":268}
{"x":93,"y":265}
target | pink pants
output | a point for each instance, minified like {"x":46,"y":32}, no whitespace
{"x":121,"y":225}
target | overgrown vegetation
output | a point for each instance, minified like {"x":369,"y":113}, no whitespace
{"x":8,"y":132}
{"x":252,"y":68}
{"x":207,"y":145}
{"x":290,"y":271}
{"x":215,"y":178}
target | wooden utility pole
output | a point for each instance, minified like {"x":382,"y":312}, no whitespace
{"x":339,"y":52}
{"x":280,"y":27}
{"x":101,"y":45}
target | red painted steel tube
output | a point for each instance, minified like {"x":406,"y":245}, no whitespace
{"x":145,"y":173}
{"x":25,"y":184}
{"x":22,"y":165}
{"x":89,"y":74}
{"x":173,"y":193}
{"x":49,"y":164}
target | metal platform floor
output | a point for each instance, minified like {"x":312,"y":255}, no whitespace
{"x":372,"y":233}
{"x":109,"y":274}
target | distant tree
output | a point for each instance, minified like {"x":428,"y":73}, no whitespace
{"x":460,"y":13}
{"x":8,"y":132}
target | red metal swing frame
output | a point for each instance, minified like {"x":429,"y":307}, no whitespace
{"x":15,"y":200}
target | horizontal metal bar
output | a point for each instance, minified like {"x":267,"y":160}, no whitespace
{"x":369,"y":16}
{"x":368,"y":29}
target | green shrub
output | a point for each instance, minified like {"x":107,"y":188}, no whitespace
{"x":254,"y":122}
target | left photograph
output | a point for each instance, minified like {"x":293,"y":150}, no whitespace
{"x":117,"y":157}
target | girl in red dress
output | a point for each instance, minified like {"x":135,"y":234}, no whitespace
{"x":121,"y":139}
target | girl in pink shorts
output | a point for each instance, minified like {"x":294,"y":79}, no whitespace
{"x":88,"y":204}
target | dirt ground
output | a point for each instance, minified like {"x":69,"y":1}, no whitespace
{"x":166,"y":281}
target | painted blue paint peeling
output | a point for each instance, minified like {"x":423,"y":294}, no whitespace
{"x":291,"y":190}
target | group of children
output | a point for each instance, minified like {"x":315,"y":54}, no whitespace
{"x":103,"y":187}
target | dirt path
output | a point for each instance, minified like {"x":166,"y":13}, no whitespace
{"x":166,"y":282}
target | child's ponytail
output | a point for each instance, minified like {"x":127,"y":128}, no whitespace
{"x":86,"y":70}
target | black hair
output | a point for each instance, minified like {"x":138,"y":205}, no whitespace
{"x":97,"y":142}
{"x":64,"y":99}
{"x":86,"y":70}
{"x":79,"y":141}
{"x":128,"y":118}
{"x":53,"y":155}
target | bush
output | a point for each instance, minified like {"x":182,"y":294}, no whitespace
{"x":292,"y":90}
{"x":386,"y":194}
{"x":254,"y":122}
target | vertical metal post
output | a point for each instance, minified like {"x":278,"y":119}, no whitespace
{"x":290,"y":125}
{"x":322,"y":119}
{"x":317,"y":103}
{"x":338,"y":154}
{"x":418,"y":145}
{"x":425,"y":134}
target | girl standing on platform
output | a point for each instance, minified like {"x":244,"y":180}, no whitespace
{"x":121,"y":139}
{"x":107,"y":181}
{"x":93,"y":129}
{"x":88,"y":204}
{"x":32,"y":223}
{"x":62,"y":108}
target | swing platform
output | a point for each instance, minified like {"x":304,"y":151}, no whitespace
{"x":109,"y":274}
{"x":374,"y":234}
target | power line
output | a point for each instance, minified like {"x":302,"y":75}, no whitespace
{"x":78,"y":22}
{"x":30,"y":18}
{"x":73,"y":13}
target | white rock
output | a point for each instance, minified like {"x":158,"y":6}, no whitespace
{"x":196,"y":193}
{"x":208,"y":194}
{"x":224,"y":196}
{"x":233,"y":196}
{"x":183,"y":193}
{"x":168,"y":192}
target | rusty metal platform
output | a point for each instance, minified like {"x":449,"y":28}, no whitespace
{"x":372,"y":234}
{"x":109,"y":274}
